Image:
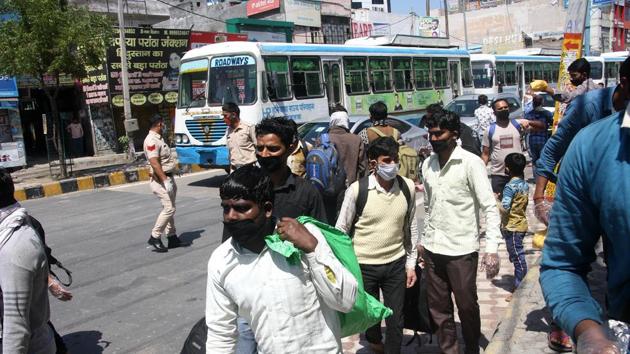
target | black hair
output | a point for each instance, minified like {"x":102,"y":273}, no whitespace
{"x":155,"y":119}
{"x":580,"y":65}
{"x":248,"y":183}
{"x":444,"y":120}
{"x":482,"y":99}
{"x":434,"y":108}
{"x":515,"y":162}
{"x":7,"y":189}
{"x":231,"y":107}
{"x":537,"y":100}
{"x":383,"y":146}
{"x":280,"y":126}
{"x":339,"y":108}
{"x":378,"y":111}
{"x":499,"y":100}
{"x":624,"y":70}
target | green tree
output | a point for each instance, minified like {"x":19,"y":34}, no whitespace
{"x":51,"y":37}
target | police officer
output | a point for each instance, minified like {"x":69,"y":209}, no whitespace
{"x":162,"y":166}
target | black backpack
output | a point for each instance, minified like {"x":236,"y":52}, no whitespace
{"x":196,"y":341}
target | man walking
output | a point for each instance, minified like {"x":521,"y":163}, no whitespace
{"x":349,"y":146}
{"x":484,"y":116}
{"x":162,"y":166}
{"x":379,"y":212}
{"x":456,"y":193}
{"x":499,"y":140}
{"x":24,"y":307}
{"x":540,"y":120}
{"x":292,"y":308}
{"x":378,"y":116}
{"x":241,"y":137}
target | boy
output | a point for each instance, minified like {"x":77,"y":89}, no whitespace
{"x":514,"y":220}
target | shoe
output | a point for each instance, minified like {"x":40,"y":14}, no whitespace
{"x":174,"y":242}
{"x":377,"y":348}
{"x":559,"y":341}
{"x":157,"y":244}
{"x":508,"y":298}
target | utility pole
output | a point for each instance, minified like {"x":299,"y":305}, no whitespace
{"x":427,"y":3}
{"x":131,"y":124}
{"x":448,"y":35}
{"x":465,"y":25}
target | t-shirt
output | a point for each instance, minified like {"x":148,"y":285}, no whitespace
{"x":504,"y":142}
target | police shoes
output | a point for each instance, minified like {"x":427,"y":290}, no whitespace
{"x":174,"y":242}
{"x":157,"y":244}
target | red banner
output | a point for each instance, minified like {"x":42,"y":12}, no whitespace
{"x":259,"y":6}
{"x":199,"y":39}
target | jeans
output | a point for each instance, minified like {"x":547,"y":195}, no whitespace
{"x":391,"y":279}
{"x":246,"y":343}
{"x":534,"y":153}
{"x":514,"y":245}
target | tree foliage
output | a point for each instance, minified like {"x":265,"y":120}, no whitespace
{"x":50,"y":37}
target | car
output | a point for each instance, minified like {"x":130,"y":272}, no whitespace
{"x":466,"y":105}
{"x":412,"y":135}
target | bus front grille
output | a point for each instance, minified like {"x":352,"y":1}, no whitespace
{"x":206,"y":130}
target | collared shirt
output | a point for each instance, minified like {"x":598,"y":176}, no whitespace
{"x":349,"y":208}
{"x":297,"y":197}
{"x":155,"y":146}
{"x":568,"y":96}
{"x":454,"y":198}
{"x":241,"y":142}
{"x":581,"y":112}
{"x":539,"y":115}
{"x":485,"y":117}
{"x":591,"y":200}
{"x":291,"y":308}
{"x":504,"y":142}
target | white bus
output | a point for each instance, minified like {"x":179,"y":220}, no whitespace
{"x":302,"y":82}
{"x":612,"y":64}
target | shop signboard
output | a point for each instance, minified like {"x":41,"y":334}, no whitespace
{"x":199,"y":39}
{"x":303,"y":12}
{"x":8,"y":87}
{"x":255,"y":7}
{"x":12,"y":152}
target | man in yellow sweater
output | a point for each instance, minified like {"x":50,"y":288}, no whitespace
{"x":378,"y":212}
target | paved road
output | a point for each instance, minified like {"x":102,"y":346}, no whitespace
{"x":129,"y":299}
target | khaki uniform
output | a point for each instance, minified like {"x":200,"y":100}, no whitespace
{"x":155,"y":146}
{"x":241,"y":143}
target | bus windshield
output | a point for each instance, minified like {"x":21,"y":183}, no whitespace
{"x":232,"y":79}
{"x":193,"y":83}
{"x":596,"y":70}
{"x":483,"y":73}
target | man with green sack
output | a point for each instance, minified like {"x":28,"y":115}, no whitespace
{"x":292,"y":307}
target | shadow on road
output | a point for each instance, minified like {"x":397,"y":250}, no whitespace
{"x":538,"y":320}
{"x":189,"y":236}
{"x":86,"y":342}
{"x":506,"y":282}
{"x":212,"y":182}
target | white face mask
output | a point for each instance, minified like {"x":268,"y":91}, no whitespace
{"x":387,"y":171}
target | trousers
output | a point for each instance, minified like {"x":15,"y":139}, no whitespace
{"x":165,"y":223}
{"x":456,"y":275}
{"x":514,"y":245}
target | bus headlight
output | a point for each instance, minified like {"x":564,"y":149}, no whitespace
{"x":178,"y":138}
{"x":185,"y":139}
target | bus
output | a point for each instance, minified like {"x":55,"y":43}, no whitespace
{"x":612,"y":64}
{"x":303,"y":82}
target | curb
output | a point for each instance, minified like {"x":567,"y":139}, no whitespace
{"x":96,"y":181}
{"x":502,"y":339}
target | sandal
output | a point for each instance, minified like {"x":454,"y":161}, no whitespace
{"x":559,"y":341}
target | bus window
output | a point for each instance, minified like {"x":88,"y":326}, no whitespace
{"x":548,"y":72}
{"x":402,"y":74}
{"x":440,"y":72}
{"x":466,"y":73}
{"x":355,"y":74}
{"x":306,"y":77}
{"x":277,"y":69}
{"x":380,"y":73}
{"x":596,"y":70}
{"x":500,"y":73}
{"x":193,"y":83}
{"x":510,"y":73}
{"x":422,"y":72}
{"x":612,"y":69}
{"x":483,"y":74}
{"x":529,"y":73}
{"x":232,"y":79}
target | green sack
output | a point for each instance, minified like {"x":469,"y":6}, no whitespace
{"x":367,"y":311}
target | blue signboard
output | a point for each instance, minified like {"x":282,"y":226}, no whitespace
{"x":601,"y":2}
{"x":8,"y":87}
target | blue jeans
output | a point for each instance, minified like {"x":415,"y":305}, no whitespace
{"x":246,"y":343}
{"x":514,"y":245}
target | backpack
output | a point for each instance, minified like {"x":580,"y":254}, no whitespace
{"x":196,"y":341}
{"x":416,"y":307}
{"x":324,"y":169}
{"x":367,"y":310}
{"x":407,"y":156}
{"x":493,"y":126}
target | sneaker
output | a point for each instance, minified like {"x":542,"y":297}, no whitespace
{"x":559,"y":341}
{"x":156,"y":242}
{"x":174,"y":242}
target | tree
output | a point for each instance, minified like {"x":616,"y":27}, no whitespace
{"x":47,"y":38}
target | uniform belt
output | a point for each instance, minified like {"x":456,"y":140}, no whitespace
{"x":169,"y":174}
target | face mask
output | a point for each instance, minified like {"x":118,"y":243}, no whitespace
{"x":502,"y":115}
{"x":576,"y":82}
{"x":387,"y":171}
{"x":439,"y":145}
{"x":270,"y":163}
{"x":243,"y":231}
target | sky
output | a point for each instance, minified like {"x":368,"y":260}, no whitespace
{"x":418,"y":6}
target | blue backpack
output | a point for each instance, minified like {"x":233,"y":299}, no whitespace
{"x":324,"y":169}
{"x":493,"y":126}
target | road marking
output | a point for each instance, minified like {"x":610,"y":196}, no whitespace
{"x":128,"y":185}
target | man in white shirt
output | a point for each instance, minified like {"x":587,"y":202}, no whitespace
{"x":291,"y":308}
{"x":484,"y":116}
{"x":457,"y":191}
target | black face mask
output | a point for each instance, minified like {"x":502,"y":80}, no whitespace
{"x":576,"y":82}
{"x":244,"y":232}
{"x":439,"y":145}
{"x":502,"y":115}
{"x":270,"y":163}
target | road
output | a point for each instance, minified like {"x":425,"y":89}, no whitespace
{"x":128,"y":299}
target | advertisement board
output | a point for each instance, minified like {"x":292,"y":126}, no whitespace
{"x":199,"y":39}
{"x":259,"y":6}
{"x":303,"y":12}
{"x":429,"y":26}
{"x":8,"y":87}
{"x":12,"y":151}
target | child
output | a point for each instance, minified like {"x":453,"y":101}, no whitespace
{"x":514,"y":220}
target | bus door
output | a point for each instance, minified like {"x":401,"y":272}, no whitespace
{"x":455,"y":77}
{"x":520,"y":80}
{"x":332,"y":82}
